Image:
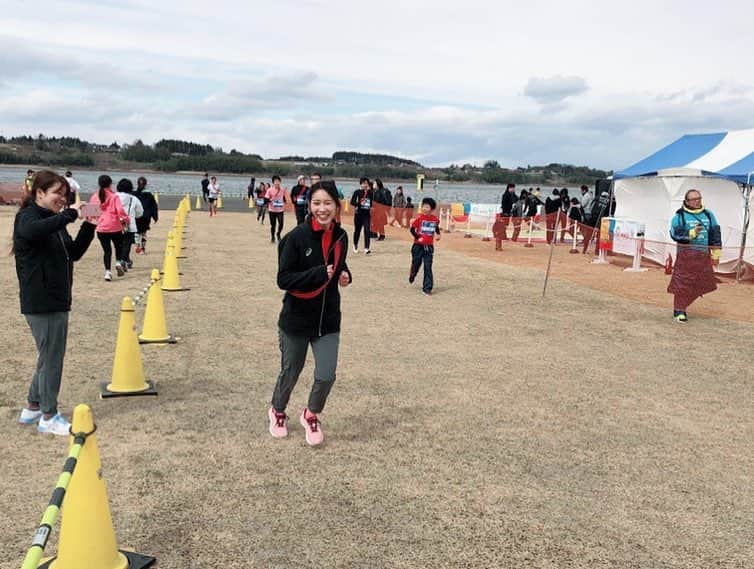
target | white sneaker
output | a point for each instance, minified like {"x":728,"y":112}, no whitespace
{"x":108,"y":276}
{"x":55,"y":425}
{"x":29,"y":416}
{"x":367,"y":251}
{"x":119,"y":269}
{"x":355,"y":250}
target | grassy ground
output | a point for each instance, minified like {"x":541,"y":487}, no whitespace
{"x":481,"y":427}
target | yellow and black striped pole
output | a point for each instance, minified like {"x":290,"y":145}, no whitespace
{"x":51,"y":513}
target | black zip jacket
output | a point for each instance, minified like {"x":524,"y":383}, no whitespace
{"x":507,"y":202}
{"x":302,"y":267}
{"x":151,"y":210}
{"x":45,"y":254}
{"x":356,"y":200}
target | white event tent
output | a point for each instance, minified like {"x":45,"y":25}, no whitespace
{"x":720,"y":166}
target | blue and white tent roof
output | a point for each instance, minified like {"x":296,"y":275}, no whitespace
{"x":725,"y":154}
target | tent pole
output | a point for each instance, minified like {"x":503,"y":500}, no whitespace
{"x":746,"y":190}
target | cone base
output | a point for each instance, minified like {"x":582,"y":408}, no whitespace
{"x":174,"y":289}
{"x":105,"y":393}
{"x":169,"y":340}
{"x":135,"y":560}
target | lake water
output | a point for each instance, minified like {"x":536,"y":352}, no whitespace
{"x":232,"y":185}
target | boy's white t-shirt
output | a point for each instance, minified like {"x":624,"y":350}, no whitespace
{"x":214,"y":191}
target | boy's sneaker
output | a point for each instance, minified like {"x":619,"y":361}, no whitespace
{"x":367,"y":251}
{"x":411,"y":279}
{"x":355,"y":249}
{"x":130,"y":264}
{"x":119,"y":269}
{"x":313,"y":428}
{"x":278,"y":427}
{"x":108,"y":276}
{"x":680,"y":316}
{"x":55,"y":425}
{"x":29,"y":416}
{"x":427,"y":292}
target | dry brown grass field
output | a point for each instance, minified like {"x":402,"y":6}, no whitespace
{"x":482,"y":427}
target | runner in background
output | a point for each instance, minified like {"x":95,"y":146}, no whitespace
{"x":134,"y":210}
{"x":205,"y":187}
{"x":424,"y":228}
{"x":362,"y":200}
{"x":151,"y":213}
{"x":110,"y":225}
{"x":250,"y":188}
{"x":214,"y":193}
{"x":300,"y":197}
{"x":260,"y":201}
{"x":278,"y":196}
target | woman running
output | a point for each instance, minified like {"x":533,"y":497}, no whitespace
{"x":277,"y":197}
{"x":311,"y":268}
{"x":110,"y":225}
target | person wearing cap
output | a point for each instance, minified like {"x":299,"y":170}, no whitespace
{"x":300,"y":196}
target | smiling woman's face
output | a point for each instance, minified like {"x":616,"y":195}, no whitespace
{"x":323,"y":207}
{"x":54,"y":199}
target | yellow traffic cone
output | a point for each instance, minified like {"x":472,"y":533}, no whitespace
{"x":178,"y":243}
{"x":347,"y":204}
{"x":87,"y":538}
{"x":128,"y":373}
{"x":252,"y":205}
{"x":171,"y":282}
{"x":219,"y":202}
{"x":157,"y":198}
{"x":155,"y":329}
{"x":198,"y":204}
{"x":187,"y":201}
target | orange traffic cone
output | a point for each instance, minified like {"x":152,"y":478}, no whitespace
{"x":128,"y":373}
{"x":155,"y":329}
{"x":669,"y":265}
{"x":87,"y":538}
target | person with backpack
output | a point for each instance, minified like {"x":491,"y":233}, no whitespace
{"x":300,"y":198}
{"x":151,"y":213}
{"x":697,"y":232}
{"x":134,"y":210}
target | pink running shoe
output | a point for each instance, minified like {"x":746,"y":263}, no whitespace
{"x":313,"y":428}
{"x":278,"y":427}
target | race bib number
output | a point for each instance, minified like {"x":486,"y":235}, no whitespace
{"x":428,"y":227}
{"x":301,"y":200}
{"x":366,"y":204}
{"x":277,"y":203}
{"x":259,"y":201}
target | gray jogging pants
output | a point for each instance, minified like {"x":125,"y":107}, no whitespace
{"x":293,"y":357}
{"x":50,"y":331}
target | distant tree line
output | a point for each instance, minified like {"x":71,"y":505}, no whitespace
{"x":171,"y":155}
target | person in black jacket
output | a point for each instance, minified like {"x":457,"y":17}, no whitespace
{"x":507,"y":202}
{"x":362,"y":200}
{"x":45,"y":253}
{"x":300,"y":197}
{"x":553,"y":205}
{"x":311,"y":268}
{"x":151,"y":213}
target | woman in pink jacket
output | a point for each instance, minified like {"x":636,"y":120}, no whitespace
{"x":112,"y":220}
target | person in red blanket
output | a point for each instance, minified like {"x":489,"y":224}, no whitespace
{"x":424,"y":229}
{"x":498,"y":231}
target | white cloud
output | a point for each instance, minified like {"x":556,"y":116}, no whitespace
{"x":552,"y":90}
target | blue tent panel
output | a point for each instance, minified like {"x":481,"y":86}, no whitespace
{"x":677,"y":154}
{"x":738,"y":171}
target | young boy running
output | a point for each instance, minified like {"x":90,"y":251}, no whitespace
{"x":424,"y":228}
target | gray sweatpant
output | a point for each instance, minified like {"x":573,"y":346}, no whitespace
{"x":50,"y":331}
{"x":293,"y":356}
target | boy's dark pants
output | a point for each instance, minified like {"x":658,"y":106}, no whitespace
{"x":423,"y":254}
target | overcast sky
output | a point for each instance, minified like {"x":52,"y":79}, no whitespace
{"x":587,"y":82}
